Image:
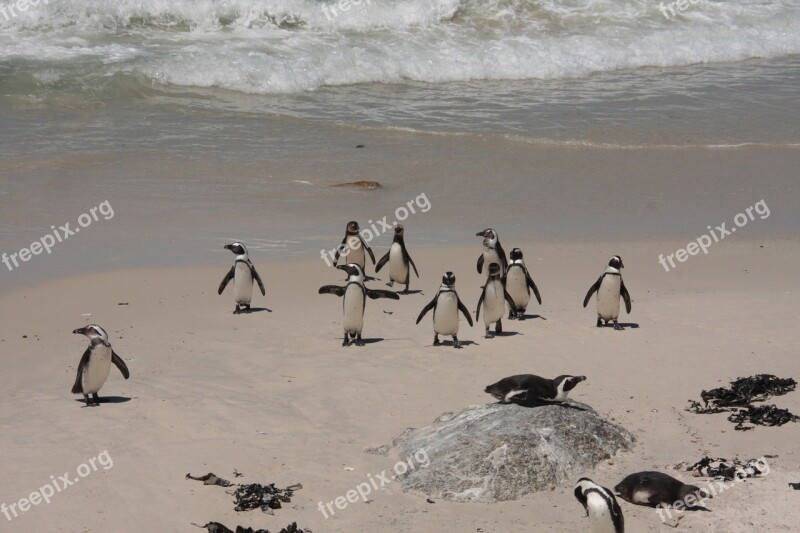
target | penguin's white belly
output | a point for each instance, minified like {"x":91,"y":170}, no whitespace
{"x":356,"y":254}
{"x":445,"y":316}
{"x":517,"y":287}
{"x":242,"y":283}
{"x":96,"y":370}
{"x":494,"y":302}
{"x":353,"y":320}
{"x":608,"y":298}
{"x":490,"y":256}
{"x":599,"y":514}
{"x":398,"y":268}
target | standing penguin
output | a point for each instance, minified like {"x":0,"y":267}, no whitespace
{"x":601,"y":507}
{"x":399,"y":260}
{"x":354,"y":246}
{"x":493,"y":252}
{"x":519,"y":284}
{"x":95,"y":364}
{"x":355,"y":297}
{"x":609,"y":287}
{"x":446,"y":305}
{"x":242,"y":273}
{"x":493,"y":298}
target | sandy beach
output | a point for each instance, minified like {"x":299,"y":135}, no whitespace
{"x":274,"y":395}
{"x":137,"y":139}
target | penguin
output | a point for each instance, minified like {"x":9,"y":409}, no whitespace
{"x":354,"y":247}
{"x":655,"y":489}
{"x":609,"y":287}
{"x":355,"y":296}
{"x":399,"y":261}
{"x":519,"y":285}
{"x":530,"y":390}
{"x":446,"y":305}
{"x":493,"y":252}
{"x":601,"y":507}
{"x":242,"y":273}
{"x":95,"y":364}
{"x":493,"y":295}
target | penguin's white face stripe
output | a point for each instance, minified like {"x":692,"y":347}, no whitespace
{"x":93,"y":331}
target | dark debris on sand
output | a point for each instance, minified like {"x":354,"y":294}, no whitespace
{"x":211,"y":479}
{"x":727,"y":470}
{"x":264,"y":497}
{"x":216,"y":527}
{"x":738,"y":399}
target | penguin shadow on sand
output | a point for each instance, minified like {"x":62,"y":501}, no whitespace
{"x":250,"y":310}
{"x":620,"y":326}
{"x":107,"y":399}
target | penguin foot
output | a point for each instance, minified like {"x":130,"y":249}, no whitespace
{"x":489,"y":335}
{"x":617,"y":327}
{"x":236,"y":311}
{"x":511,"y":315}
{"x":499,"y":327}
{"x":86,"y":399}
{"x":436,"y":341}
{"x":346,"y":341}
{"x":456,"y":344}
{"x":599,"y":322}
{"x":96,"y":399}
{"x":358,"y":341}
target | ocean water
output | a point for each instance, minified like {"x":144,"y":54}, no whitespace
{"x":604,"y":72}
{"x":205,"y":121}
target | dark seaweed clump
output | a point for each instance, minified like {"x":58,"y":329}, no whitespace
{"x":727,"y":469}
{"x":738,"y":398}
{"x":216,"y":527}
{"x":264,"y":497}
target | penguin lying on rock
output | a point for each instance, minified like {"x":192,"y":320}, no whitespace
{"x":530,"y":390}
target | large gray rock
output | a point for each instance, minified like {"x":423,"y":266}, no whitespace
{"x":499,"y":452}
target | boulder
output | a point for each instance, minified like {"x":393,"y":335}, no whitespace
{"x":499,"y":452}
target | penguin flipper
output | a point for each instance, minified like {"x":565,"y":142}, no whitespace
{"x":409,"y":260}
{"x":117,"y":360}
{"x":258,"y":279}
{"x":78,"y":387}
{"x":581,"y":497}
{"x":625,"y":296}
{"x":533,"y":287}
{"x":383,"y":260}
{"x":464,"y":311}
{"x":480,"y":301}
{"x":592,"y":290}
{"x":480,"y":264}
{"x":431,"y":305}
{"x":226,"y":279}
{"x":336,"y":255}
{"x":332,"y":289}
{"x":380,"y":293}
{"x":503,"y":260}
{"x":367,"y":248}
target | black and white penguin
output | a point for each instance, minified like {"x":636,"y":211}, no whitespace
{"x":657,"y":489}
{"x":493,"y":298}
{"x":601,"y":507}
{"x":242,"y":273}
{"x":519,"y":285}
{"x":446,"y":305}
{"x":531,"y":390}
{"x":95,"y":364}
{"x":609,"y":287}
{"x":354,"y":246}
{"x":355,"y":297}
{"x":399,"y":260}
{"x":492,"y":251}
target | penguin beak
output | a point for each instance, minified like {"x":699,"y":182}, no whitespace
{"x":79,"y":330}
{"x":480,"y":234}
{"x":579,"y":378}
{"x":227,"y":246}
